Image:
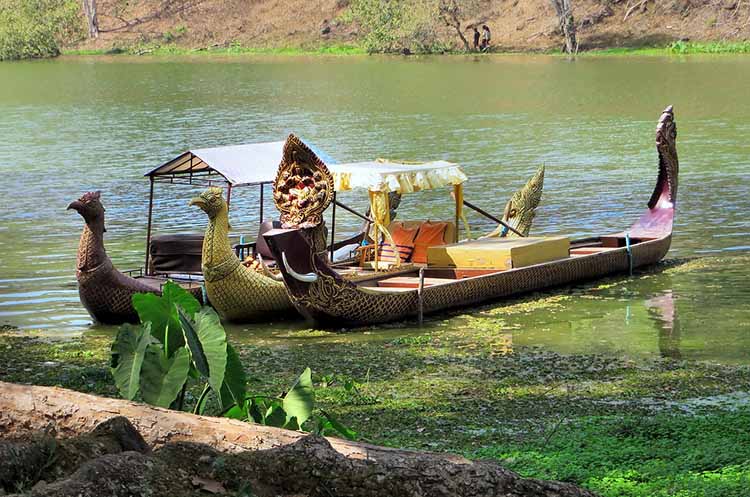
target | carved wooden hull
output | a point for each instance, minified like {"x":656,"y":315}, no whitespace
{"x":321,"y":294}
{"x":243,"y":295}
{"x":107,"y":294}
{"x":332,"y":300}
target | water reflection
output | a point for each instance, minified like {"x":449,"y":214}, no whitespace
{"x":663,"y":311}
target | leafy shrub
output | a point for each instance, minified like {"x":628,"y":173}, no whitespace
{"x":687,"y":47}
{"x":391,"y":25}
{"x":34,"y":28}
{"x":177,"y":341}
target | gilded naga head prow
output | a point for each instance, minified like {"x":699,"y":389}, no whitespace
{"x":521,"y":208}
{"x":303,"y":187}
{"x":669,"y":166}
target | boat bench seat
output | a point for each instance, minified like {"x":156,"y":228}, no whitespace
{"x":590,"y":250}
{"x":411,"y":282}
{"x":156,"y":282}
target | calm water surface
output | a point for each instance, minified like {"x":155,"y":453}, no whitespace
{"x":77,"y":124}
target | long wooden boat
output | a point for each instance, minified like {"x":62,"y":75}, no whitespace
{"x":324,"y":294}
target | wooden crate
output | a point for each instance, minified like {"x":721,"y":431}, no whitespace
{"x":499,"y":253}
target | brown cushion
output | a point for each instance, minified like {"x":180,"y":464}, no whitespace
{"x":403,"y":237}
{"x":176,"y":253}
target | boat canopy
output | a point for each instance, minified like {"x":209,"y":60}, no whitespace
{"x":401,"y":177}
{"x":380,"y":177}
{"x":249,"y":164}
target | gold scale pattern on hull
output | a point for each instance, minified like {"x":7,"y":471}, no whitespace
{"x":235,"y":291}
{"x":333,"y":300}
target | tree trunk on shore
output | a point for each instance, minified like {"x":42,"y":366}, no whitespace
{"x":564,"y":12}
{"x":114,"y":459}
{"x":450,"y":11}
{"x":89,"y":8}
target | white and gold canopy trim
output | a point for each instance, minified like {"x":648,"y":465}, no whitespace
{"x":390,"y":176}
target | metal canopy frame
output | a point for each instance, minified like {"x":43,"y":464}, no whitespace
{"x":207,"y":176}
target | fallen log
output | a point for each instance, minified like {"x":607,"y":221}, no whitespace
{"x":272,"y":461}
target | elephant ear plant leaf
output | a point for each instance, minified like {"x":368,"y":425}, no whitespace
{"x":179,"y":343}
{"x":128,"y":352}
{"x":207,"y":341}
{"x":233,"y":389}
{"x":161,"y":312}
{"x":289,"y":411}
{"x":299,"y":401}
{"x":162,"y":378}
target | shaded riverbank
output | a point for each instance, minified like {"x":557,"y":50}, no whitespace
{"x":621,"y":422}
{"x":620,"y":426}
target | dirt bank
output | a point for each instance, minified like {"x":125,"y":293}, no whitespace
{"x":515,"y":24}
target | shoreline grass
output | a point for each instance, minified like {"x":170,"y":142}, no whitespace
{"x":678,"y":48}
{"x":174,"y":50}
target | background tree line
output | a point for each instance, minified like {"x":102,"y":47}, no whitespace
{"x":415,"y":25}
{"x":34,"y":28}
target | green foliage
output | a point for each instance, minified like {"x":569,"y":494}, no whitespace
{"x":687,"y":47}
{"x":162,"y":378}
{"x":207,"y":342}
{"x":34,"y":28}
{"x":328,"y":425}
{"x":128,"y":353}
{"x":233,"y":390}
{"x":235,"y":48}
{"x":289,"y":411}
{"x":391,"y":25}
{"x":161,"y":312}
{"x":175,"y":337}
{"x":354,"y":392}
{"x":172,"y":36}
{"x":639,"y":456}
{"x":177,"y":340}
{"x":299,"y":400}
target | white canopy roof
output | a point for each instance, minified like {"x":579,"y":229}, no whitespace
{"x":257,"y":163}
{"x":249,"y":164}
{"x":387,"y":176}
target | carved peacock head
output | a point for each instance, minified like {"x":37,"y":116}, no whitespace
{"x":90,"y":207}
{"x":211,"y":201}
